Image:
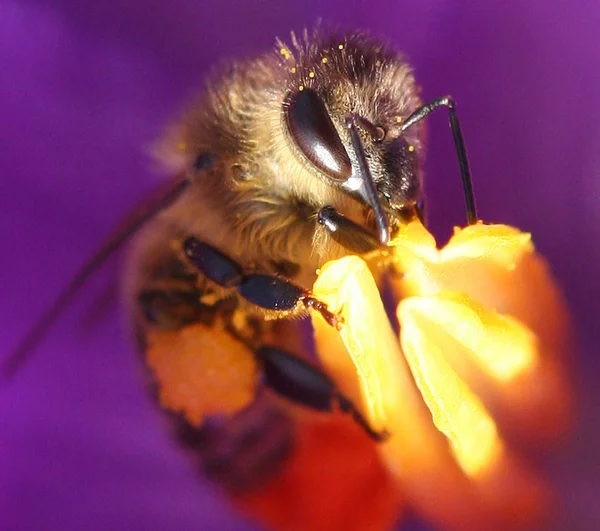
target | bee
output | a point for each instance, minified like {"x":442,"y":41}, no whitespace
{"x":289,"y":160}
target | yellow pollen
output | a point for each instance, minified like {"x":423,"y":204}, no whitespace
{"x":301,"y":88}
{"x":377,"y":63}
{"x":340,"y":47}
{"x":293,"y":70}
{"x":411,"y":148}
{"x":311,"y":74}
{"x":285,"y":52}
{"x":324,"y":60}
{"x":398,"y":119}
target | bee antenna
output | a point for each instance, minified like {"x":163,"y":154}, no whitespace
{"x":38,"y":331}
{"x":459,"y":144}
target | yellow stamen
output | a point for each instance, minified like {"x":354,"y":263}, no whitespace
{"x":456,"y":411}
{"x":346,"y":285}
{"x":500,"y":345}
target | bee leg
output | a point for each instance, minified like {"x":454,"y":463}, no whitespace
{"x":301,"y":382}
{"x":265,"y":291}
{"x":347,"y":233}
{"x":289,"y":376}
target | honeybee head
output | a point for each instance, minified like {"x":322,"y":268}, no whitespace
{"x":343,"y":111}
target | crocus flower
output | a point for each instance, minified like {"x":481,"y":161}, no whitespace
{"x":85,"y":87}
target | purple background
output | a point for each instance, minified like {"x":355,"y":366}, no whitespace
{"x":84,"y":90}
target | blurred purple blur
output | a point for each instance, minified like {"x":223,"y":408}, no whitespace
{"x":86,"y":87}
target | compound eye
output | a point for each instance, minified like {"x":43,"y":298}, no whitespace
{"x":313,"y":131}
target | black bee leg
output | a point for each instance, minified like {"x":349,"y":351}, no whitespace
{"x":347,"y":233}
{"x":275,"y":293}
{"x":287,"y":375}
{"x":301,"y":382}
{"x":265,"y":291}
{"x":459,"y":143}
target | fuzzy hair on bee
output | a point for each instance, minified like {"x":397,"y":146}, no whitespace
{"x":285,"y":161}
